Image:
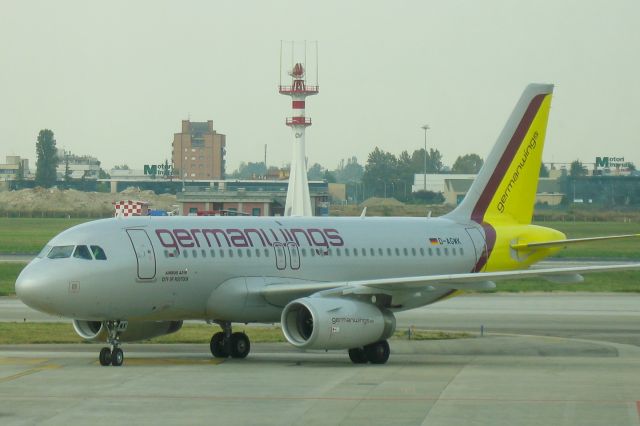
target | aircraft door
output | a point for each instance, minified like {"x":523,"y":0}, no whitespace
{"x":294,"y":255}
{"x":479,"y":245}
{"x":281,"y":257}
{"x":145,"y":255}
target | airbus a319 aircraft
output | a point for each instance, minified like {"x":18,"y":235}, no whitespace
{"x":332,"y":283}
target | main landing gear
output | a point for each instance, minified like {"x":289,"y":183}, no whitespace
{"x":225,"y":343}
{"x":375,"y":353}
{"x":113,"y":355}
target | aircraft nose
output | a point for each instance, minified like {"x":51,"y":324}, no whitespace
{"x":31,"y":287}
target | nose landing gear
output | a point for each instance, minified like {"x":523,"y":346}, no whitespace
{"x":224,"y":344}
{"x":113,"y":355}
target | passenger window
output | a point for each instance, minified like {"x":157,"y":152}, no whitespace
{"x":194,"y":253}
{"x":388,"y":252}
{"x":413,"y":251}
{"x":405,"y":251}
{"x":346,"y":252}
{"x":82,"y":252}
{"x":213,"y":253}
{"x":446,"y":251}
{"x":373,"y":252}
{"x":221,"y":253}
{"x":60,"y":252}
{"x":257,"y":252}
{"x":380,"y":252}
{"x":430,"y":252}
{"x":338,"y":252}
{"x":461,"y":251}
{"x":421,"y":251}
{"x":397,"y":251}
{"x":185,"y":254}
{"x":355,"y":252}
{"x":230,"y":253}
{"x":203,"y":252}
{"x":453,"y":251}
{"x":364,"y":252}
{"x":44,"y":252}
{"x":98,"y":253}
{"x":239,"y":252}
{"x":438,"y":251}
{"x":248,"y":252}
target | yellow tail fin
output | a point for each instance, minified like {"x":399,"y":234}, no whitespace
{"x":505,"y":189}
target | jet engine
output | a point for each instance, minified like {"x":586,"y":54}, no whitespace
{"x":334,"y":323}
{"x":96,"y":331}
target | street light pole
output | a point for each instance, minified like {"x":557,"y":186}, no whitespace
{"x":425,"y":127}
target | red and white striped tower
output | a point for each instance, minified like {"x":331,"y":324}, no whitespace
{"x":298,"y":199}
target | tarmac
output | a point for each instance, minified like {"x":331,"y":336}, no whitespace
{"x":568,"y":359}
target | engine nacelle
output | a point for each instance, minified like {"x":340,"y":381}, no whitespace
{"x":333,"y":323}
{"x":96,"y":331}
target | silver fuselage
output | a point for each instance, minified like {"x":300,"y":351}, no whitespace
{"x":213,"y":268}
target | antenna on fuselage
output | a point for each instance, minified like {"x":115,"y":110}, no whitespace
{"x":364,"y":212}
{"x":429,"y":213}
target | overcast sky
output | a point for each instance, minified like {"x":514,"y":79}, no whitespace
{"x":114,"y":79}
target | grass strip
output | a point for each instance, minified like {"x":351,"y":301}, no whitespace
{"x":17,"y":333}
{"x":9,"y":272}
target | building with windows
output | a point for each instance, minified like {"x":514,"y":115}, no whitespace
{"x":198,"y":151}
{"x":80,"y":166}
{"x":11,"y":168}
{"x":455,"y":186}
{"x":246,"y":197}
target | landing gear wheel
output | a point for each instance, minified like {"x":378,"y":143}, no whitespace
{"x":240,"y":345}
{"x":217,"y":346}
{"x":358,"y":356}
{"x":105,"y":357}
{"x":377,"y":353}
{"x":117,"y":357}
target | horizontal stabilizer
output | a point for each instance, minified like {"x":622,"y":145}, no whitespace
{"x":563,"y":243}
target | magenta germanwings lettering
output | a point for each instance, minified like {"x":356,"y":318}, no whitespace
{"x":248,"y":237}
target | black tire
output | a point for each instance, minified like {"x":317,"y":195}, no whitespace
{"x":240,"y":345}
{"x":358,"y":356}
{"x":217,"y":346}
{"x":117,"y":357}
{"x":105,"y":357}
{"x":378,"y":353}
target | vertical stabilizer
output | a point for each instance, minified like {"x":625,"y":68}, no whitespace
{"x":505,"y":189}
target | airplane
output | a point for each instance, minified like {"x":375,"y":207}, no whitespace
{"x":332,"y":283}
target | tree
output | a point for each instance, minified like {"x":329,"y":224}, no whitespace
{"x":47,"y":160}
{"x":381,"y":169}
{"x":250,"y":170}
{"x":67,"y":170}
{"x":315,"y":172}
{"x":577,"y":169}
{"x":469,"y":163}
{"x":351,"y":172}
{"x":330,"y":177}
{"x":544,"y":172}
{"x":429,"y":197}
{"x":434,"y":161}
{"x":121,"y":167}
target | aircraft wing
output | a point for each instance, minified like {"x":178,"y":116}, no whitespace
{"x":564,"y":243}
{"x":466,"y":281}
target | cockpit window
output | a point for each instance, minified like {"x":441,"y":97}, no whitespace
{"x":82,"y":252}
{"x":44,"y":252}
{"x":98,"y":253}
{"x":60,"y":252}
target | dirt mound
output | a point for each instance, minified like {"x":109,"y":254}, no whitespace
{"x":381,"y":202}
{"x":69,"y":202}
